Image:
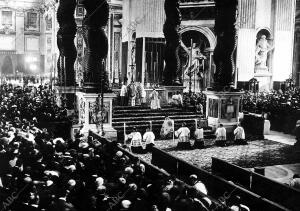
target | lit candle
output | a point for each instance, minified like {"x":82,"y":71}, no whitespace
{"x":124,"y":133}
{"x":195,"y":124}
{"x":173,"y":130}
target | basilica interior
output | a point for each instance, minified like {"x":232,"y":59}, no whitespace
{"x":149,"y":105}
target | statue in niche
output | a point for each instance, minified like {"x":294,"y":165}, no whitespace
{"x":197,"y":60}
{"x":261,"y":52}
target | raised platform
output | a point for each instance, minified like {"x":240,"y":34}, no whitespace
{"x":141,"y":117}
{"x":281,"y":137}
{"x":89,"y":114}
{"x":165,"y":93}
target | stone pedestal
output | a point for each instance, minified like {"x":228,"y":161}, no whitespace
{"x":223,"y":107}
{"x":88,"y":115}
{"x":68,"y":93}
{"x":263,"y":76}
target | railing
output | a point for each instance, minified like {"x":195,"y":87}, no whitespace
{"x":288,"y":197}
{"x":216,"y":185}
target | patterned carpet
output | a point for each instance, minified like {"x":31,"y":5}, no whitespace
{"x":256,"y":153}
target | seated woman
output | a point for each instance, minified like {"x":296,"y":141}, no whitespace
{"x":166,"y":131}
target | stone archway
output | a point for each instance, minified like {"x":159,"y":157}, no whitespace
{"x":268,"y":41}
{"x":263,"y":58}
{"x":203,"y":41}
{"x":203,"y":30}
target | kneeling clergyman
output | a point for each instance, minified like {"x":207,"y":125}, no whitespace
{"x":149,"y":138}
{"x":136,"y":141}
{"x":239,"y":135}
{"x":183,"y":133}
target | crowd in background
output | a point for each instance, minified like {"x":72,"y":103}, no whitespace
{"x":281,"y":108}
{"x":264,"y":102}
{"x":25,"y":103}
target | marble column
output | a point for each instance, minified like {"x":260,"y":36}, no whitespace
{"x":96,"y":19}
{"x":67,"y":53}
{"x":65,"y":42}
{"x":172,"y":74}
{"x":225,"y":29}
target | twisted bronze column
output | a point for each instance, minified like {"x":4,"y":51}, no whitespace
{"x":225,"y":29}
{"x":95,"y":77}
{"x":65,"y":42}
{"x":172,"y":72}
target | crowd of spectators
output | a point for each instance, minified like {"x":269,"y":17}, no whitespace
{"x":25,"y":103}
{"x":40,"y":171}
{"x":281,"y":108}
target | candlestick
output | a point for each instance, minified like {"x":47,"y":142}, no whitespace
{"x":124,"y":133}
{"x":173,"y":130}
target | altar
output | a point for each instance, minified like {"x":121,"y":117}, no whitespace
{"x":223,"y":108}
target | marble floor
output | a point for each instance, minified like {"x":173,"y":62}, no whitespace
{"x":281,"y":137}
{"x":282,"y":173}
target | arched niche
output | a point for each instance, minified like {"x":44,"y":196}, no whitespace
{"x":264,"y":45}
{"x":203,"y":41}
{"x":203,"y":30}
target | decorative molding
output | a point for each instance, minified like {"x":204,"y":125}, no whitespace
{"x":20,"y":14}
{"x":205,"y":31}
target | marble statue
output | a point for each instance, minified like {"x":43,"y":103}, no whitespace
{"x":261,"y":52}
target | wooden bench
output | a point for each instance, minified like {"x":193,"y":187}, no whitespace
{"x":259,"y":184}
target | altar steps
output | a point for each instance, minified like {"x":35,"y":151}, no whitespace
{"x":140,"y":117}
